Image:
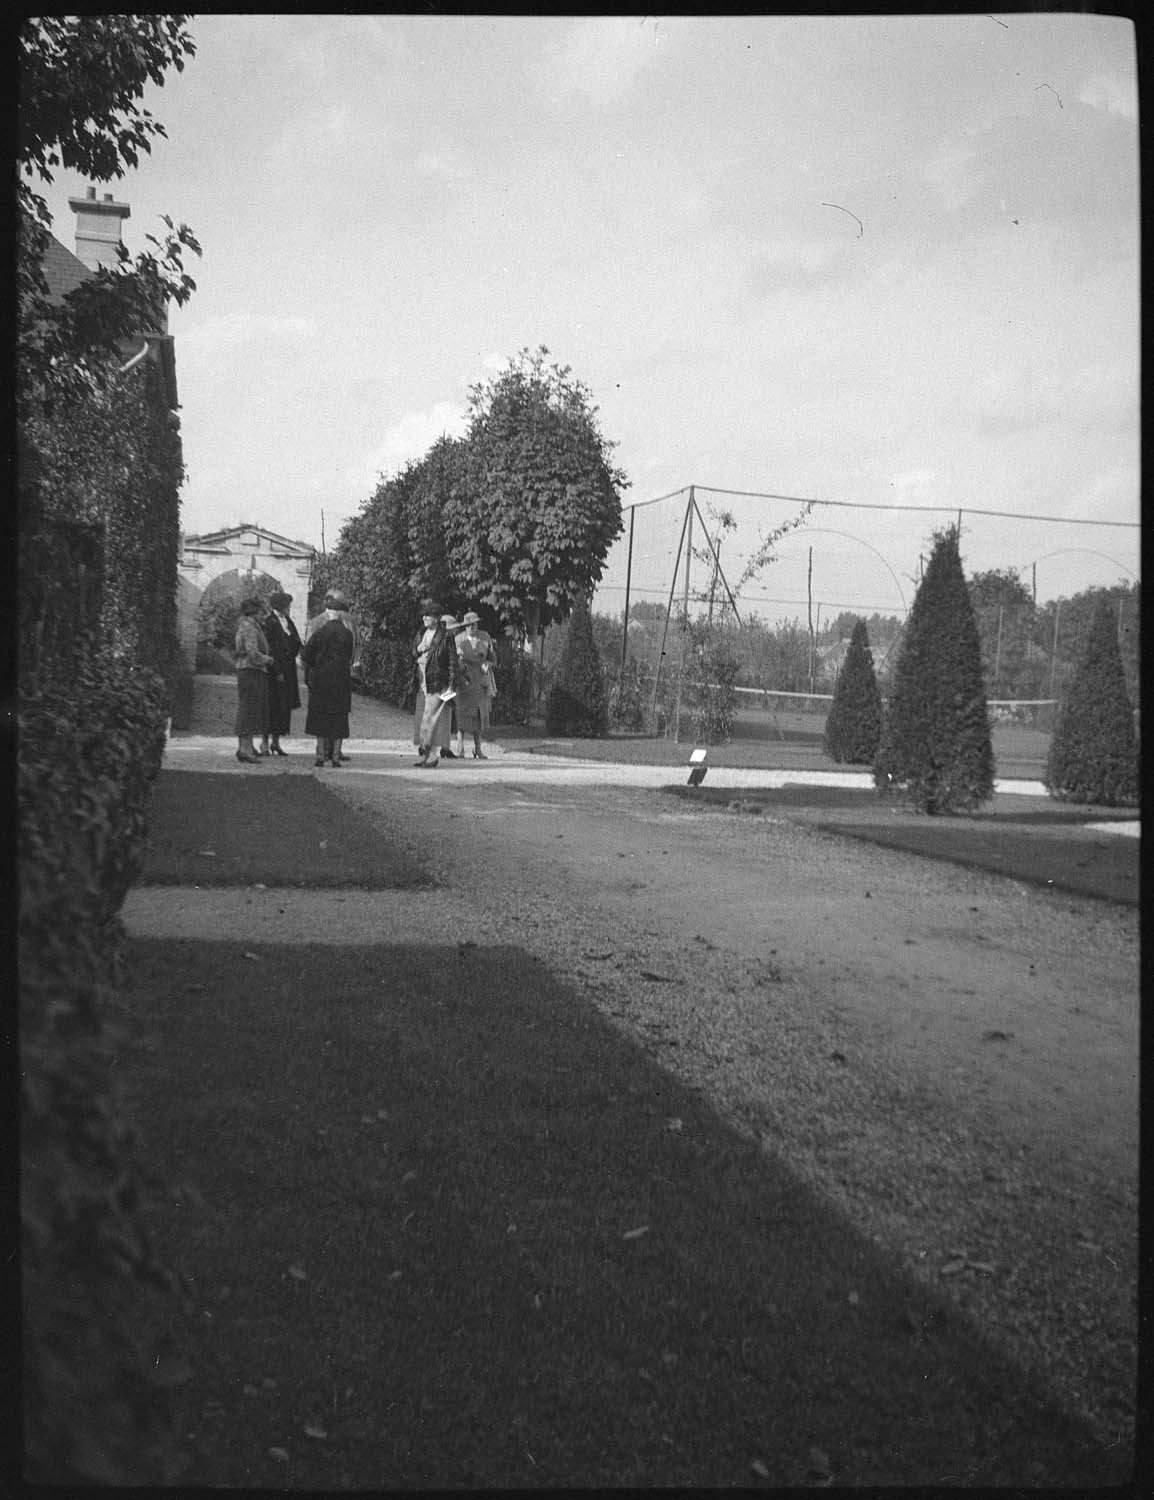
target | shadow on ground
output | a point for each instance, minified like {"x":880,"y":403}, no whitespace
{"x":212,"y":830}
{"x":445,"y":1227}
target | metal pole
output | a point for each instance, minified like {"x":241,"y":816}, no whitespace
{"x":628,"y":577}
{"x":1054,"y":649}
{"x":998,"y":649}
{"x":717,"y":565}
{"x":809,"y":611}
{"x":668,"y":607}
{"x":692,"y":506}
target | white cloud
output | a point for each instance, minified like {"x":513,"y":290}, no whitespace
{"x":409,"y":439}
{"x":600,"y":58}
{"x":949,"y":172}
{"x":318,"y":133}
{"x":221,"y":335}
{"x":1117,"y":96}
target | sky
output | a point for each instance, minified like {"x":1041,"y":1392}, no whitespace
{"x":867,"y":260}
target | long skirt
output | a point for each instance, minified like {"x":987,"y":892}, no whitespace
{"x":327,"y":726}
{"x":251,"y":701}
{"x":280,"y":706}
{"x":436,"y":723}
{"x":472,"y":707}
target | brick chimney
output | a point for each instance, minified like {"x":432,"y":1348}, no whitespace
{"x":97,"y":228}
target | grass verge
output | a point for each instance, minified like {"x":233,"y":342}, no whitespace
{"x":444,"y":1227}
{"x":206,"y":829}
{"x":1048,"y":846}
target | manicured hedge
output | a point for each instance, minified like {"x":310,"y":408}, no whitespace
{"x":96,"y":1389}
{"x":1094,"y":751}
{"x":577,"y":702}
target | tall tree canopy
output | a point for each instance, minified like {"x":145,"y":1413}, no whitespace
{"x":80,"y":81}
{"x":539,"y":505}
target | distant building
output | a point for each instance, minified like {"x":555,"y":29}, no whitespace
{"x":239,"y":550}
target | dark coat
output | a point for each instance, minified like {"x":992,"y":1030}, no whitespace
{"x":327,"y":657}
{"x":441,"y":667}
{"x":284,"y":648}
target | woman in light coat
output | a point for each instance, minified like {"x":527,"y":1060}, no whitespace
{"x":253,"y":663}
{"x":475,"y":683}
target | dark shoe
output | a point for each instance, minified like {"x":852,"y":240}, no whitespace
{"x":247,"y":760}
{"x":344,"y":759}
{"x":276,"y":750}
{"x":431,"y":765}
{"x":319,"y":761}
{"x":479,"y":755}
{"x":447,"y":755}
{"x":336,"y":765}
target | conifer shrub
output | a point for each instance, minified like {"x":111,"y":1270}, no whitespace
{"x":853,"y":727}
{"x":935,"y":743}
{"x":577,"y":705}
{"x":1093,"y":751}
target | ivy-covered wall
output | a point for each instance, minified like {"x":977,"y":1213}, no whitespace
{"x":99,"y":483}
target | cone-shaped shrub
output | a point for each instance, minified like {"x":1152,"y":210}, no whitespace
{"x":936,"y":737}
{"x":1093,"y":752}
{"x":577,"y":703}
{"x":853,"y":729}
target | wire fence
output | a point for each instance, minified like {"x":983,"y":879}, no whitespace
{"x":690,"y":559}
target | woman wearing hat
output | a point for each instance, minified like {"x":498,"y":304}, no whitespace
{"x":284,"y":692}
{"x":475,"y":683}
{"x":439,"y":675}
{"x":430,"y":614}
{"x":252,"y":668}
{"x":328,"y":658}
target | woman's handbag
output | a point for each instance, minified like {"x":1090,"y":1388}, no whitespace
{"x":489,"y":680}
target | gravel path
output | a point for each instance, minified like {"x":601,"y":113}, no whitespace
{"x":948,"y":1057}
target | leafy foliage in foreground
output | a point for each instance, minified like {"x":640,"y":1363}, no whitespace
{"x":1094,"y":752}
{"x":853,"y":726}
{"x":936,"y":739}
{"x":99,"y":473}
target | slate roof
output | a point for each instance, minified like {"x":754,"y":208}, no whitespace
{"x":64,"y":272}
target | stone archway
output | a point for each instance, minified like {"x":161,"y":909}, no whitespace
{"x":231,"y":588}
{"x":239,"y":549}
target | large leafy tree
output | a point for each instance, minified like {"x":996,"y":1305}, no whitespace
{"x":1093,"y":752}
{"x":532,"y":519}
{"x":1004,"y":614}
{"x":936,"y":738}
{"x":80,"y":83}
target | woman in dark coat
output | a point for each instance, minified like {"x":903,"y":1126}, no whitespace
{"x":328,"y":657}
{"x":284,"y":694}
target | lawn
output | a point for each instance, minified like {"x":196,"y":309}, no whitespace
{"x":444,"y":1228}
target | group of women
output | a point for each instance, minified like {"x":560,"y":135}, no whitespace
{"x":267,"y":687}
{"x":456,"y":684}
{"x":455,"y":681}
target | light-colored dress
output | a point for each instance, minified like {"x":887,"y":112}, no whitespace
{"x":474,"y":654}
{"x":422,"y":656}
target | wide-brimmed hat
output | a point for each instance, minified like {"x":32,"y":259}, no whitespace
{"x":449,"y":622}
{"x":472,"y":618}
